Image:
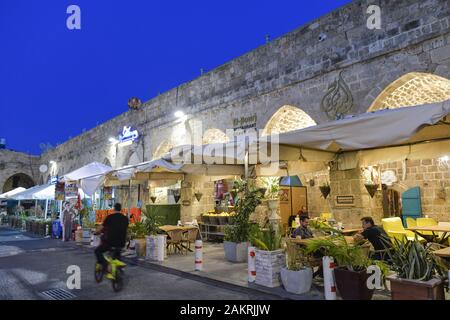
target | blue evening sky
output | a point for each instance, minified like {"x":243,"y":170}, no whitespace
{"x":56,"y":82}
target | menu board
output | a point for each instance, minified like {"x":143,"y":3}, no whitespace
{"x":71,"y":189}
{"x":59,"y":191}
{"x":107,"y":193}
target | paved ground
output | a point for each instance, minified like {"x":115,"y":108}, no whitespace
{"x":30,"y":266}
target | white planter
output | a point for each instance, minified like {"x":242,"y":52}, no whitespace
{"x":155,"y":247}
{"x":235,"y":252}
{"x":273,"y":204}
{"x":86,"y":236}
{"x":297,"y":282}
{"x":268,"y":267}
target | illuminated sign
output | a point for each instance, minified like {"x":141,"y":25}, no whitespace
{"x":128,"y":136}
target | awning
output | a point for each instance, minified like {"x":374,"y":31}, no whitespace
{"x":91,"y":176}
{"x":158,"y":165}
{"x":374,"y":130}
{"x":11,"y":193}
{"x":42,"y":192}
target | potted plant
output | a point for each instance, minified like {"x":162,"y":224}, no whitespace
{"x":325,"y":189}
{"x":138,"y":233}
{"x":270,"y":256}
{"x":272,"y":191}
{"x":155,"y":242}
{"x":352,"y":262}
{"x":237,"y":234}
{"x":298,"y":274}
{"x":419,"y":273}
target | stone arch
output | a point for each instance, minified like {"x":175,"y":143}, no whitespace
{"x":288,"y":118}
{"x":163,"y":148}
{"x":214,"y":136}
{"x":412,"y":89}
{"x":18,"y":180}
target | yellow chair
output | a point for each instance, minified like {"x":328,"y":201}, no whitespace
{"x":394,"y":228}
{"x":411,"y":222}
{"x":426,"y":222}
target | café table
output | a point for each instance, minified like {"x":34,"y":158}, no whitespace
{"x":435,"y":230}
{"x":351,"y":232}
{"x":170,"y":230}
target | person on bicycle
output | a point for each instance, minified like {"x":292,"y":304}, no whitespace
{"x":114,"y":235}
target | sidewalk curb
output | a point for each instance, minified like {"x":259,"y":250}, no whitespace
{"x":208,"y":280}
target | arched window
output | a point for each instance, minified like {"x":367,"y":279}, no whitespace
{"x":163,"y":148}
{"x":214,"y":136}
{"x":18,"y":180}
{"x":413,"y":89}
{"x":288,"y":118}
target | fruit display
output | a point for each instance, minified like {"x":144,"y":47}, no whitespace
{"x":221,"y":218}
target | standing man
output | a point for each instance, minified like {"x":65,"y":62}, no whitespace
{"x":67,"y":216}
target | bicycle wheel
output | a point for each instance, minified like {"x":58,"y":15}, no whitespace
{"x":98,"y":274}
{"x":117,"y":283}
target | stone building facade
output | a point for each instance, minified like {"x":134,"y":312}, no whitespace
{"x":288,"y":84}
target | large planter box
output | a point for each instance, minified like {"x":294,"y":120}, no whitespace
{"x":140,"y":245}
{"x":403,"y":289}
{"x":235,"y":252}
{"x":268,"y":267}
{"x":297,"y":282}
{"x":352,"y":285}
{"x":156,"y":247}
{"x":86,"y":236}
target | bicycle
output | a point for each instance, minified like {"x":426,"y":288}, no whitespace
{"x":116,"y":275}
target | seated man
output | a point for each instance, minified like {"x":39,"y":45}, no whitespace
{"x":114,"y":235}
{"x":376,"y":236}
{"x":303,"y":231}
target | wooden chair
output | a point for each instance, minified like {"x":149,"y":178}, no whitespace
{"x":175,"y":240}
{"x":190,"y":236}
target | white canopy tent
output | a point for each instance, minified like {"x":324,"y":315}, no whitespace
{"x":11,"y":193}
{"x":42,"y":192}
{"x":91,"y":176}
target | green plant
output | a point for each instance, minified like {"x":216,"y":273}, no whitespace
{"x":323,"y":227}
{"x":268,"y":239}
{"x":137,"y":230}
{"x":296,"y":258}
{"x":414,"y":261}
{"x":151,"y":223}
{"x":353,"y":257}
{"x":272,"y":184}
{"x":249,"y":197}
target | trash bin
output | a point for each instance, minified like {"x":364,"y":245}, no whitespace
{"x":56,"y":229}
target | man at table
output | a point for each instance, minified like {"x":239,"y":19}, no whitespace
{"x":303,"y":231}
{"x":375,"y":235}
